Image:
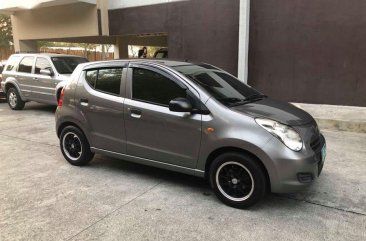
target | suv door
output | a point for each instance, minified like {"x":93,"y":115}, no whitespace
{"x":99,"y":98}
{"x":24,"y":76}
{"x":44,"y":85}
{"x":152,"y":130}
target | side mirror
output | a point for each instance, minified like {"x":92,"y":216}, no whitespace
{"x":46,"y":72}
{"x":180,"y":105}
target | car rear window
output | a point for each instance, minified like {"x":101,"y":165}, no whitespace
{"x":107,"y":80}
{"x":12,"y":61}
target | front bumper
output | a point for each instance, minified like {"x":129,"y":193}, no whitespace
{"x":292,"y":171}
{"x":2,"y":93}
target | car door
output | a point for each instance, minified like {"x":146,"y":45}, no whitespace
{"x":24,"y":76}
{"x":44,"y":85}
{"x":153,"y":131}
{"x":99,"y":97}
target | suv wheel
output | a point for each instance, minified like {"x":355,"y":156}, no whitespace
{"x":14,"y":100}
{"x":75,"y":147}
{"x":237,"y":180}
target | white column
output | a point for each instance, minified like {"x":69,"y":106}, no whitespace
{"x":243,"y":40}
{"x":116,"y":51}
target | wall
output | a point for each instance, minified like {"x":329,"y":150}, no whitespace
{"x":198,"y":30}
{"x":72,"y":20}
{"x":309,"y":51}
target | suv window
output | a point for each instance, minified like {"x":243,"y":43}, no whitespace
{"x":106,"y":80}
{"x":152,"y":87}
{"x":66,"y":65}
{"x":11,"y":62}
{"x":25,"y":65}
{"x":42,"y":64}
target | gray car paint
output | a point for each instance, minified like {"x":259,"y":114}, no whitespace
{"x":234,"y":128}
{"x":36,"y":87}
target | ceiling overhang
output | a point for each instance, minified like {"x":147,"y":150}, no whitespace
{"x":19,"y":5}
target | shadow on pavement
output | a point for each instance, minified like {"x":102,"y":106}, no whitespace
{"x":31,"y":106}
{"x":200,"y":185}
{"x":39,"y":107}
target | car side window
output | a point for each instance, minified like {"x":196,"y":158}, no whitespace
{"x":149,"y":86}
{"x":25,"y":66}
{"x":106,"y":80}
{"x":42,"y":64}
{"x":11,"y":63}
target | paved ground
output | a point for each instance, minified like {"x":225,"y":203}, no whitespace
{"x":42,"y":197}
{"x":335,"y":117}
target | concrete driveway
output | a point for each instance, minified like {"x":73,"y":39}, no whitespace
{"x":42,"y":197}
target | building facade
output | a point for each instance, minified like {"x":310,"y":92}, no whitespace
{"x":302,"y":51}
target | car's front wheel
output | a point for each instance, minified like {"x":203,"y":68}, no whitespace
{"x":75,"y":147}
{"x":14,"y":100}
{"x":238,"y":180}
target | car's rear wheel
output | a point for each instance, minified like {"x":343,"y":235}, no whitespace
{"x":238,"y":180}
{"x":75,"y":147}
{"x":14,"y":100}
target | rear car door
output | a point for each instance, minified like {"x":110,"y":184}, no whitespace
{"x":153,"y":131}
{"x":44,"y":85}
{"x":99,"y":97}
{"x":24,"y":76}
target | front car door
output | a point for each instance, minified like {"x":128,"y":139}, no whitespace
{"x":44,"y":89}
{"x":100,"y":99}
{"x":153,"y":131}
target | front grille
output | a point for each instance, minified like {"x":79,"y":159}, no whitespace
{"x":305,"y":177}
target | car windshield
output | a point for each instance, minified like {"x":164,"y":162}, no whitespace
{"x":66,"y":65}
{"x":220,"y":85}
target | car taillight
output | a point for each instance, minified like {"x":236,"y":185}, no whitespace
{"x":61,"y":98}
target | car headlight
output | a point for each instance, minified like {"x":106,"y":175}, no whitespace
{"x":284,"y":133}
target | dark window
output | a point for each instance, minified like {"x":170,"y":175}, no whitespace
{"x":105,"y":80}
{"x":66,"y":65}
{"x":91,"y":77}
{"x":109,"y":80}
{"x":42,"y":64}
{"x":219,"y":84}
{"x":149,"y":86}
{"x":25,"y":66}
{"x":11,"y":62}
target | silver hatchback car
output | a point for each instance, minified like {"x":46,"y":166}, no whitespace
{"x":37,"y":77}
{"x":191,"y":118}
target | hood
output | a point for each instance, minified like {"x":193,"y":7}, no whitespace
{"x":282,"y":112}
{"x":64,"y":77}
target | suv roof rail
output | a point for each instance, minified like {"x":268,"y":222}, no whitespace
{"x":27,"y":52}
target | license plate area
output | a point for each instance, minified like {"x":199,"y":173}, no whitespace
{"x":324,"y":152}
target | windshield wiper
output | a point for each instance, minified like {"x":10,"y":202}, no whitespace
{"x":255,"y":97}
{"x":231,"y":100}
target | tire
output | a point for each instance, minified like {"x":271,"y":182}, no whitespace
{"x":15,"y":102}
{"x":238,"y":180}
{"x":75,"y":147}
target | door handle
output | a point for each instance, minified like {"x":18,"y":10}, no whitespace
{"x":84,"y":102}
{"x":135,"y":113}
{"x":35,"y":78}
